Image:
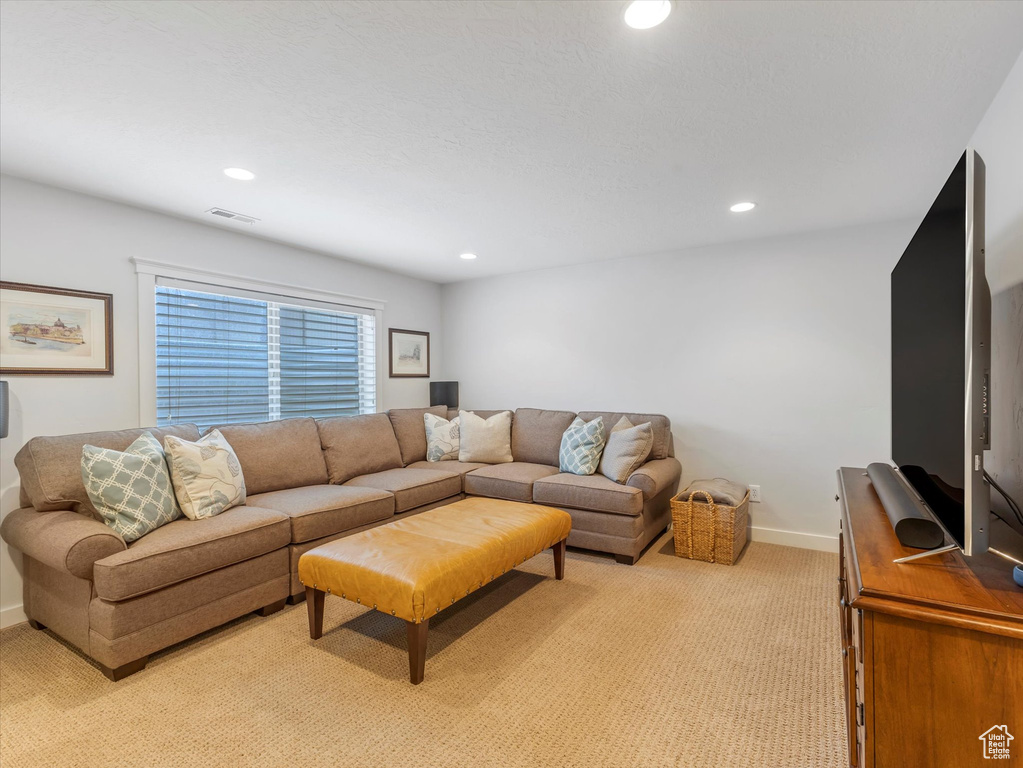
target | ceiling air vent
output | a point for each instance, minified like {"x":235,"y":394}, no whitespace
{"x":241,"y":218}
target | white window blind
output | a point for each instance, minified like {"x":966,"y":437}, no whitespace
{"x":225,"y":356}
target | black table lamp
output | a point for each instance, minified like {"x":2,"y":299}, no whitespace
{"x":444,"y":393}
{"x":5,"y":409}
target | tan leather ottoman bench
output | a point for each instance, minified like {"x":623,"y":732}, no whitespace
{"x":416,"y":567}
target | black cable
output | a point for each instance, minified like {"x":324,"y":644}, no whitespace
{"x":1012,"y":504}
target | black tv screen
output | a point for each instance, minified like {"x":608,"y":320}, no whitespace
{"x":929,"y":356}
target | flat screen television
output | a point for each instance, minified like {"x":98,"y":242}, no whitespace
{"x":941,"y":344}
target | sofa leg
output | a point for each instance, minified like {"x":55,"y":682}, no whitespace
{"x":35,"y":624}
{"x":626,"y":559}
{"x":121,"y":672}
{"x":266,"y":610}
{"x":296,"y":599}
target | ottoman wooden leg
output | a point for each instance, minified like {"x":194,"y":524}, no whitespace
{"x":314,"y":601}
{"x":559,"y":559}
{"x":417,"y":649}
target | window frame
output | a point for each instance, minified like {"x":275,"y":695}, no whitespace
{"x":148,"y":272}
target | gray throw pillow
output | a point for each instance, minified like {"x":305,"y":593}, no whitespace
{"x":627,"y":449}
{"x":132,"y":488}
{"x":581,"y":445}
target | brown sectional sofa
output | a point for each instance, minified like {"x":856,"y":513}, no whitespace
{"x":308,"y":482}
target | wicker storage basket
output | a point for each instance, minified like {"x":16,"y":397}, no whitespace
{"x":707,"y":531}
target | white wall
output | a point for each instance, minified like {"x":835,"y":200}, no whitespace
{"x":997,"y":140}
{"x":770,"y":357}
{"x":55,"y":237}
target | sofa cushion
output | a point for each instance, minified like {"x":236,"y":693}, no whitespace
{"x":132,"y":488}
{"x":486,"y":440}
{"x":358,"y":445}
{"x":661,"y":426}
{"x":459,"y":468}
{"x":411,"y":487}
{"x":206,"y":474}
{"x":626,"y":450}
{"x":278,"y":454}
{"x":581,"y":446}
{"x":410,"y":430}
{"x":442,"y":438}
{"x":51,"y":467}
{"x":187,"y":548}
{"x":592,"y":492}
{"x":507,"y":481}
{"x":536,"y":435}
{"x":321,"y":510}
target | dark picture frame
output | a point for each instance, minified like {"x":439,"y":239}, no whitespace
{"x":35,"y":340}
{"x":406,"y":351}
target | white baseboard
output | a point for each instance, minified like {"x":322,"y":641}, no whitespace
{"x":794,"y":539}
{"x":15,"y":614}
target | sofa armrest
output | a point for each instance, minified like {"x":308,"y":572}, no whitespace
{"x":655,"y":476}
{"x":63,"y":540}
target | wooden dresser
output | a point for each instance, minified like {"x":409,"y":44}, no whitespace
{"x":932,"y":650}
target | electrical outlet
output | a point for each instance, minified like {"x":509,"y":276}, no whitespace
{"x":754,"y":493}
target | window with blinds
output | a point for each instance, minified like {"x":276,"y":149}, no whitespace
{"x":229,"y":358}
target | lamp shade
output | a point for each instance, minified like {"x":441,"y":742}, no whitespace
{"x":5,"y":409}
{"x":444,"y":393}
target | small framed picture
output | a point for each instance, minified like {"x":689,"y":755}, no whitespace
{"x":56,"y":331}
{"x":410,"y":353}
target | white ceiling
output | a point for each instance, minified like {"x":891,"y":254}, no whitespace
{"x":533,"y":133}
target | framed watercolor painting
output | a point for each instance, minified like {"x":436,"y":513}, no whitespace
{"x":46,"y":330}
{"x":410,"y":353}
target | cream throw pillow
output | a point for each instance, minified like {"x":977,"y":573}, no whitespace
{"x":441,"y":438}
{"x":206,"y":475}
{"x":626,"y":450}
{"x":487,"y":441}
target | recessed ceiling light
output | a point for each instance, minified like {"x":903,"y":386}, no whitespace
{"x":644,"y":14}
{"x":742,"y":207}
{"x":239,"y":173}
{"x":468,"y":256}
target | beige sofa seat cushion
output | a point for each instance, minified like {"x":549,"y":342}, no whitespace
{"x":321,"y":510}
{"x":277,"y":454}
{"x":51,"y":467}
{"x":592,"y":492}
{"x":507,"y":481}
{"x":536,"y":435}
{"x":410,"y":430}
{"x":460,"y":468}
{"x":358,"y":445}
{"x":411,"y":487}
{"x":661,"y":426}
{"x":187,"y":548}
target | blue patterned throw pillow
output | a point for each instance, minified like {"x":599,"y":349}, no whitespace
{"x":132,"y":488}
{"x":581,"y":446}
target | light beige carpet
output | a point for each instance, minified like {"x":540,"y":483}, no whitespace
{"x":666,"y":663}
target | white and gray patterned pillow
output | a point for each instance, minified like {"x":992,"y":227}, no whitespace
{"x":206,"y":474}
{"x":627,"y":449}
{"x":132,"y":488}
{"x":441,"y":438}
{"x":581,"y":446}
